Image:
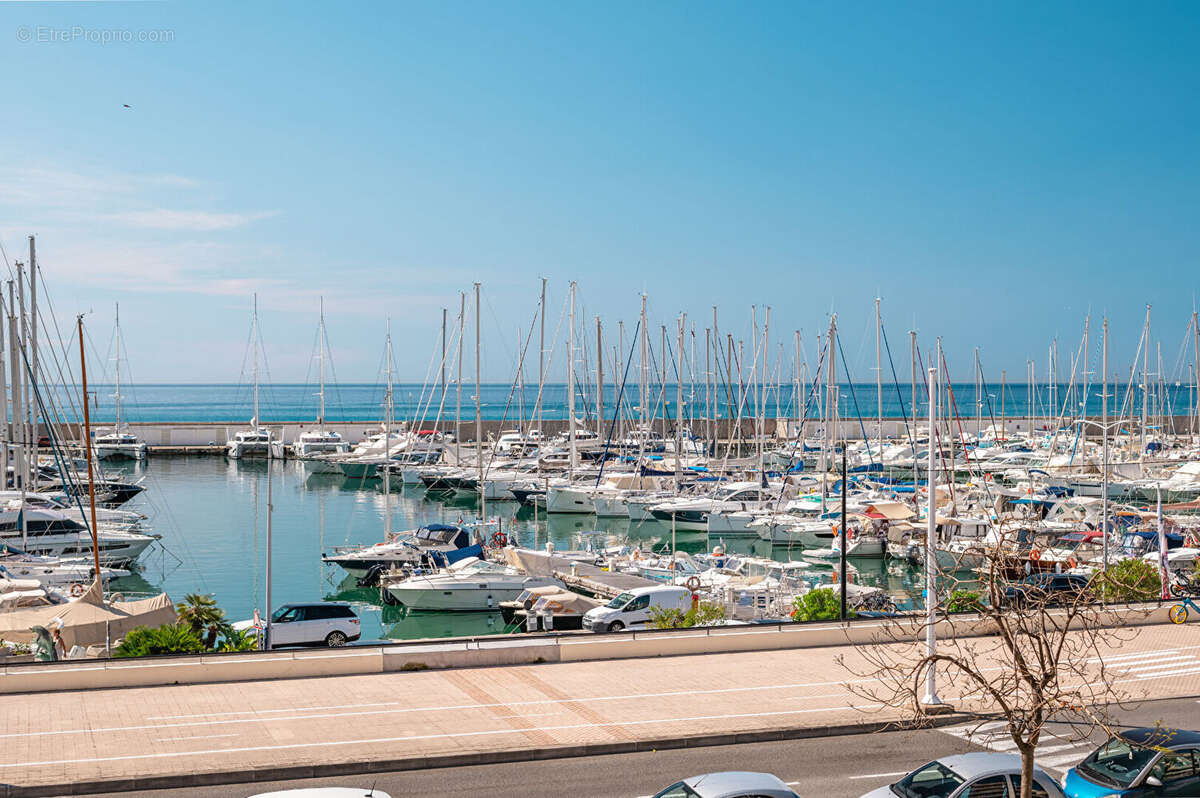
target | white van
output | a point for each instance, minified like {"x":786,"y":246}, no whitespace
{"x":631,"y":609}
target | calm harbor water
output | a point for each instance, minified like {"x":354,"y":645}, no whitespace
{"x":212,"y":515}
{"x":364,"y":402}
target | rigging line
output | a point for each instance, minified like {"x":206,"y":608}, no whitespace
{"x":620,"y":392}
{"x":853,"y":395}
{"x":899,"y":395}
{"x":511,"y":394}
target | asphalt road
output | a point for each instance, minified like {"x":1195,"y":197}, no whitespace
{"x":829,"y":767}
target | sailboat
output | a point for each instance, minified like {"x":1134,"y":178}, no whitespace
{"x":316,"y":442}
{"x":120,"y":443}
{"x":254,"y":441}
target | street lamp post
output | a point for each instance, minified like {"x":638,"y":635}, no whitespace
{"x":931,"y":696}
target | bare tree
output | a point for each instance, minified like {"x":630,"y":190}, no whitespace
{"x":1025,"y":655}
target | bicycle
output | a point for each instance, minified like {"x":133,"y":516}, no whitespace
{"x":1179,"y":613}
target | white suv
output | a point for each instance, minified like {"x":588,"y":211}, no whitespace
{"x":329,"y":623}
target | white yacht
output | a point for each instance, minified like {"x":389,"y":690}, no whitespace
{"x":119,"y":444}
{"x":316,"y":442}
{"x":54,"y":534}
{"x":253,"y":442}
{"x":691,"y":513}
{"x":466,"y":586}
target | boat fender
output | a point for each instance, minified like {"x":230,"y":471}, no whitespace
{"x":1071,"y":562}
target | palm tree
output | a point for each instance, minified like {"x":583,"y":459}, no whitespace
{"x":200,"y":613}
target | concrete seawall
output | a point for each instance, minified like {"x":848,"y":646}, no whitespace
{"x":216,"y":433}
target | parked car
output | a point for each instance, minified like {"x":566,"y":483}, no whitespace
{"x":730,"y":784}
{"x":1139,"y":763}
{"x":329,"y":623}
{"x":632,"y":608}
{"x":326,"y":792}
{"x":982,"y":774}
{"x":1046,"y":587}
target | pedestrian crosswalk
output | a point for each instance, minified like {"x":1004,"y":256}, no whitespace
{"x":1053,"y":755}
{"x":1145,"y":665}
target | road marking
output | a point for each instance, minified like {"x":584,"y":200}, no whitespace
{"x":631,"y":696}
{"x":204,"y":737}
{"x":875,"y":775}
{"x":1067,"y":752}
{"x":414,"y":737}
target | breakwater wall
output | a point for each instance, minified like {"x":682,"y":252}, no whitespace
{"x":216,"y":433}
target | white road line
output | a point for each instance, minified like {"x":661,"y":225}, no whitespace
{"x":1144,"y":677}
{"x":401,"y":710}
{"x":521,"y":703}
{"x":1128,"y":665}
{"x":874,"y":776}
{"x":1189,"y":661}
{"x":414,"y":737}
{"x":204,"y":737}
{"x":1134,"y":655}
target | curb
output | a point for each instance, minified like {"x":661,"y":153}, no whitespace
{"x":456,"y":760}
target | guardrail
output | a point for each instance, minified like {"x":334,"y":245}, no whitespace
{"x":484,"y":651}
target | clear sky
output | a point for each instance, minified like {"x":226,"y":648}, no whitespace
{"x":992,"y":170}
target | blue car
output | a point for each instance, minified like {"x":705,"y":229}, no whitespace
{"x":1140,"y":763}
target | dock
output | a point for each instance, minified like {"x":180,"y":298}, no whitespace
{"x":580,"y":576}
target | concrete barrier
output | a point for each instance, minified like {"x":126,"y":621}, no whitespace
{"x":490,"y":651}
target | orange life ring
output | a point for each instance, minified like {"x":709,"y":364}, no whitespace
{"x":499,"y":540}
{"x":77,"y":590}
{"x":693,"y":583}
{"x":1035,"y":555}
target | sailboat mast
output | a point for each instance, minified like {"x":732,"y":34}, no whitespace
{"x":321,"y":357}
{"x":254,"y":343}
{"x":541,"y":368}
{"x":33,"y":350}
{"x":599,"y":379}
{"x":478,"y":417}
{"x":571,"y":385}
{"x":87,"y":434}
{"x":679,"y":407}
{"x":117,"y":396}
{"x":387,"y":440}
{"x":879,"y":378}
{"x":762,"y":398}
{"x":462,"y":321}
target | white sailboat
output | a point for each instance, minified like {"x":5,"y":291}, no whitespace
{"x":254,"y":442}
{"x":318,"y":441}
{"x":120,"y":442}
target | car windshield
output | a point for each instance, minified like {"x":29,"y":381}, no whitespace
{"x":1116,"y":763}
{"x":679,"y":790}
{"x":935,"y":780}
{"x":619,"y":602}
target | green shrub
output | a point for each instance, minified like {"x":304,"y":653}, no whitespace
{"x":235,"y":640}
{"x":819,"y":604}
{"x":705,"y":613}
{"x":1134,"y":579}
{"x":964,"y":601}
{"x":145,"y":641}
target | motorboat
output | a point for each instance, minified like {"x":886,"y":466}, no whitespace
{"x":469,"y":585}
{"x":55,"y":534}
{"x":431,"y":546}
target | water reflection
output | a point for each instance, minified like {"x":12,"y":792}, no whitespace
{"x":212,"y":514}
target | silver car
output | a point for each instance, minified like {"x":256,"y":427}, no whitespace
{"x":730,"y":784}
{"x":982,"y":774}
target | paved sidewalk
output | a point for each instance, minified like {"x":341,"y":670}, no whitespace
{"x":250,"y":730}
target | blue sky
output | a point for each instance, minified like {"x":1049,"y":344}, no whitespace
{"x":992,"y":170}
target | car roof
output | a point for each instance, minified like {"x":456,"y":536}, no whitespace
{"x":1159,"y":736}
{"x":983,"y":763}
{"x":317,"y":604}
{"x":715,"y":784}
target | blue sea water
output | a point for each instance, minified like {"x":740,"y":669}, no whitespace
{"x":414,"y":402}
